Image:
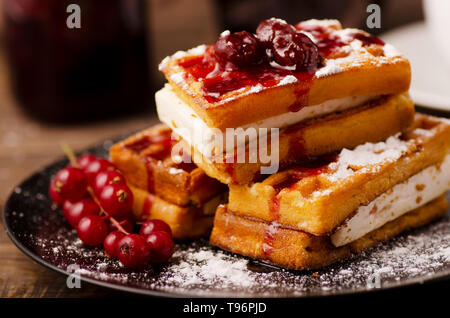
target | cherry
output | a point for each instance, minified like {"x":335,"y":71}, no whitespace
{"x":161,"y":244}
{"x":153,"y":226}
{"x":70,"y":184}
{"x":295,"y":51}
{"x":97,"y":166}
{"x":110,"y":244}
{"x":75,"y":211}
{"x":85,"y":160}
{"x":92,"y":230}
{"x":125,"y":224}
{"x":104,"y":178}
{"x":237,"y":50}
{"x":268,"y":29}
{"x":133,"y":251}
{"x":117,"y":200}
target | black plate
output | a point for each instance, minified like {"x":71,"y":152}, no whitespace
{"x":200,"y":270}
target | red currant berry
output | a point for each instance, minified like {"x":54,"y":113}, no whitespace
{"x":111,"y":243}
{"x":75,"y":211}
{"x":125,"y":224}
{"x":295,"y":51}
{"x":237,"y":50}
{"x":133,"y":251}
{"x":97,"y":166}
{"x":104,"y":178}
{"x":55,"y":193}
{"x":70,"y":183}
{"x":161,"y":245}
{"x":268,"y":29}
{"x":117,"y":200}
{"x":85,"y":160}
{"x":92,"y":230}
{"x":153,"y":226}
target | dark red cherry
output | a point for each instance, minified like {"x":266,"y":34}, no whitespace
{"x":85,"y":160}
{"x":111,"y":243}
{"x":104,"y":178}
{"x":117,"y":200}
{"x":75,"y":211}
{"x":295,"y":51}
{"x":133,"y":251}
{"x":125,"y":224}
{"x":237,"y":50}
{"x":268,"y":29}
{"x":153,"y":226}
{"x":161,"y":245}
{"x":70,"y":184}
{"x":92,"y":230}
{"x":96,"y":166}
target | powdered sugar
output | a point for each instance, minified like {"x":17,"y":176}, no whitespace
{"x":197,"y":269}
{"x":366,"y":155}
{"x":423,"y":132}
{"x":390,"y":51}
{"x":289,"y":79}
{"x":330,"y":68}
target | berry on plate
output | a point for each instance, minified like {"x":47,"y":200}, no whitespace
{"x":92,"y":230}
{"x":133,"y":251}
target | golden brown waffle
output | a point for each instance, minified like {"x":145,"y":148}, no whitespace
{"x":298,"y":250}
{"x":372,"y":122}
{"x":318,"y":196}
{"x":186,"y":222}
{"x":146,"y":162}
{"x":355,"y":69}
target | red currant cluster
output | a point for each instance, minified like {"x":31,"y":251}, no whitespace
{"x":275,"y":42}
{"x":98,"y":203}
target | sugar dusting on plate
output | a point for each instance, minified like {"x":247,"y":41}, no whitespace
{"x":197,"y":269}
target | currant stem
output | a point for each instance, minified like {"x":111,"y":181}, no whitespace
{"x":73,"y":161}
{"x":69,"y":154}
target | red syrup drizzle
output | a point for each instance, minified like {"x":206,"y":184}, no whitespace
{"x":217,"y":82}
{"x":229,"y":169}
{"x":149,"y":164}
{"x":164,"y":141}
{"x":307,"y":168}
{"x":269,"y":239}
{"x":147,"y":207}
{"x":327,"y":42}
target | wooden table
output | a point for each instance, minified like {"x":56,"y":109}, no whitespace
{"x":26,"y":146}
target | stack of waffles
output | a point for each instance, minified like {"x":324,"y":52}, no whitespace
{"x":319,"y":164}
{"x":180,"y":194}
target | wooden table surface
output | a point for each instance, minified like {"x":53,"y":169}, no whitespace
{"x":26,"y":146}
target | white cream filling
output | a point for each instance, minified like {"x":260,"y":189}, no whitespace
{"x":183,"y":120}
{"x":402,"y":198}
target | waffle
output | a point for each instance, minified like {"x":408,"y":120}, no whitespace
{"x":186,"y":222}
{"x":318,"y":196}
{"x":372,"y":122}
{"x":146,"y":162}
{"x":298,"y":250}
{"x":356,"y":68}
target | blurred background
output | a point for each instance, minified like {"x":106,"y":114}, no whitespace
{"x":86,"y":85}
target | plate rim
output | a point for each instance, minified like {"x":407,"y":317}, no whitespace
{"x":7,"y":211}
